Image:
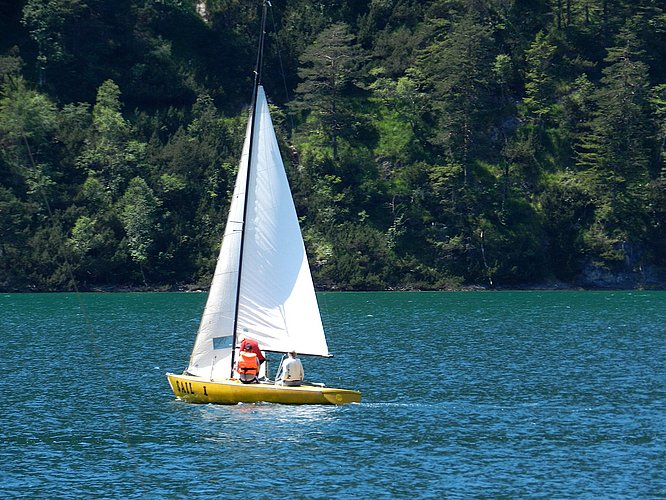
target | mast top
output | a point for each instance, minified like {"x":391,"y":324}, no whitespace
{"x":260,"y":50}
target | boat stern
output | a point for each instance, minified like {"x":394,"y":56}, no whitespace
{"x":341,"y":396}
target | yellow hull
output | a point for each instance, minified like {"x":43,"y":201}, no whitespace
{"x":232,"y":391}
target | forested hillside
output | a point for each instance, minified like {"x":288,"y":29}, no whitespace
{"x":430,"y":144}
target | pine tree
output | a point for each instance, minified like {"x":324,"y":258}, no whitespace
{"x":459,"y":69}
{"x":617,"y":148}
{"x":328,"y":67}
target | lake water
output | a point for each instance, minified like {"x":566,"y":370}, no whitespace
{"x":485,"y":395}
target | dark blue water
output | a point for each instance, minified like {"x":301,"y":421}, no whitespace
{"x":510,"y":394}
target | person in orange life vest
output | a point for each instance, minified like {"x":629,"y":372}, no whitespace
{"x":247,"y":366}
{"x":292,"y":373}
{"x":255,"y":348}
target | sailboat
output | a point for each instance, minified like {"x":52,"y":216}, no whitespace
{"x":262,"y":288}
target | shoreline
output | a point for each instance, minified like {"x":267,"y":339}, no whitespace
{"x":543,"y":287}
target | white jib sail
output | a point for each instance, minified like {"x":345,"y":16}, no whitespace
{"x":277,"y":305}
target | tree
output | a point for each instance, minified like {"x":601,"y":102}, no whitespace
{"x":539,"y":81}
{"x":47,"y":23}
{"x":16,"y":227}
{"x":139,"y":214}
{"x":616,"y":150}
{"x":658,"y":101}
{"x":27,"y":122}
{"x":110,"y":150}
{"x":328,"y":67}
{"x":459,"y":69}
{"x":76,"y":38}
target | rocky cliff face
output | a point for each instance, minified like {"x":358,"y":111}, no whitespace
{"x":630,"y":273}
{"x":649,"y":277}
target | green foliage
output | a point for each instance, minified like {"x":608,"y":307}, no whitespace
{"x":139,"y":213}
{"x":539,"y":84}
{"x":658,"y":101}
{"x":110,"y":151}
{"x":567,"y":210}
{"x":358,"y":260}
{"x":458,"y":68}
{"x":616,"y":150}
{"x":430,"y":145}
{"x":329,"y":66}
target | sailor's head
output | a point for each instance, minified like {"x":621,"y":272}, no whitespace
{"x":292,"y":353}
{"x":247,"y":347}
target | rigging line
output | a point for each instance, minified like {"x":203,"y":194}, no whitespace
{"x":255,"y":93}
{"x":70,"y":274}
{"x":278,"y":45}
{"x":260,"y":50}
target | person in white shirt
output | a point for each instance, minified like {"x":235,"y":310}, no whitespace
{"x":292,"y":373}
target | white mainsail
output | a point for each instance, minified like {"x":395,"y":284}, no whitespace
{"x":277,"y":304}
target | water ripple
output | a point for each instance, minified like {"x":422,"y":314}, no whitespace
{"x":465,"y":395}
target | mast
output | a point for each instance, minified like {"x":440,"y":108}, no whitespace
{"x":255,"y":92}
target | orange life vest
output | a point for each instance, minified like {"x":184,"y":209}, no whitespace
{"x":247,"y":363}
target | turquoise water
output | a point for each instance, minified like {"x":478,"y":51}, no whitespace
{"x":489,"y":394}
